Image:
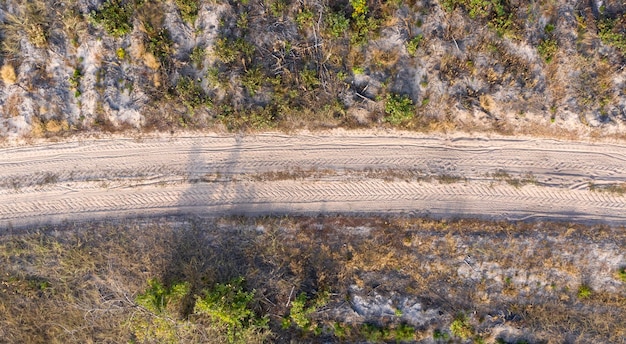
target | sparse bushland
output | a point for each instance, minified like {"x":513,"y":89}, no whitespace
{"x":312,"y":279}
{"x":115,"y":16}
{"x":493,"y":65}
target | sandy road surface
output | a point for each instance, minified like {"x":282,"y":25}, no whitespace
{"x":503,"y":178}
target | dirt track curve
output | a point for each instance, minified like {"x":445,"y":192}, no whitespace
{"x":502,"y":178}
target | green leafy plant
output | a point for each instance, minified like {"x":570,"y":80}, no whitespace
{"x":336,"y":24}
{"x":278,"y":7}
{"x":413,"y":44}
{"x":157,"y":297}
{"x":610,"y":34}
{"x":191,"y":93}
{"x":461,"y":328}
{"x":120,"y":53}
{"x":398,"y":109}
{"x":77,"y":75}
{"x":499,"y":18}
{"x":309,"y":78}
{"x":252,"y":80}
{"x":439,"y":335}
{"x":197,"y":57}
{"x":547,"y":49}
{"x":229,"y":51}
{"x":229,"y":306}
{"x":621,"y":274}
{"x":115,"y":16}
{"x":584,"y":292}
{"x":362,"y":23}
{"x":404,"y":333}
{"x":188,"y":10}
{"x":302,"y":308}
{"x":374,"y":333}
{"x":159,"y":43}
{"x":304,"y":19}
{"x":243,"y":21}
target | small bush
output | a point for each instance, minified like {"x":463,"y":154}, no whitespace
{"x":159,"y":43}
{"x":252,"y":80}
{"x":115,"y":17}
{"x":336,"y":24}
{"x":188,"y":10}
{"x":121,"y":53}
{"x":229,"y":306}
{"x":499,"y":18}
{"x":461,"y":328}
{"x":374,"y":333}
{"x":584,"y":292}
{"x":157,"y":297}
{"x":398,"y":109}
{"x":439,"y":335}
{"x":362,"y":23}
{"x":547,"y":49}
{"x":413,"y":44}
{"x":229,"y":51}
{"x":610,"y":35}
{"x":191,"y":93}
{"x":404,"y":333}
{"x":309,"y":79}
{"x":304,"y":19}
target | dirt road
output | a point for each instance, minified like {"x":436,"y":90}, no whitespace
{"x":501,"y":178}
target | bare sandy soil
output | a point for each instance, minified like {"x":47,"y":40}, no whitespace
{"x":358,"y":172}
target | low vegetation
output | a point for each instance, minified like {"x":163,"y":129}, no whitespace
{"x":251,"y":65}
{"x":312,"y":279}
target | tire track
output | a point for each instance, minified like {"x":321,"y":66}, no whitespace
{"x":72,"y":180}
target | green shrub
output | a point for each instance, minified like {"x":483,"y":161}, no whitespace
{"x":159,"y":43}
{"x":229,"y":307}
{"x":299,"y":313}
{"x":547,"y":49}
{"x":302,"y":308}
{"x":374,"y":333}
{"x":229,"y":51}
{"x":494,"y":11}
{"x":252,"y":80}
{"x":191,"y":93}
{"x":404,"y":333}
{"x":362,"y":23}
{"x":621,"y":274}
{"x":309,"y":79}
{"x":439,"y":335}
{"x":413,"y":44}
{"x":75,"y":78}
{"x":157,"y":297}
{"x":610,"y":35}
{"x":115,"y":16}
{"x":304,"y":19}
{"x":461,"y":328}
{"x":188,"y":10}
{"x":398,"y":109}
{"x":584,"y":292}
{"x":197,"y":57}
{"x":336,"y":24}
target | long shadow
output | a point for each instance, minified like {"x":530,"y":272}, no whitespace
{"x":201,"y":253}
{"x":223,"y":185}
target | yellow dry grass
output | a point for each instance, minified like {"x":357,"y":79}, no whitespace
{"x":78,"y":283}
{"x":7,"y":73}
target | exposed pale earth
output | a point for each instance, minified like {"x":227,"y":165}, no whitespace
{"x":346,"y":172}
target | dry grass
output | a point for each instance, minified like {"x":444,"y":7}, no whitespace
{"x":78,"y":282}
{"x":7,"y":74}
